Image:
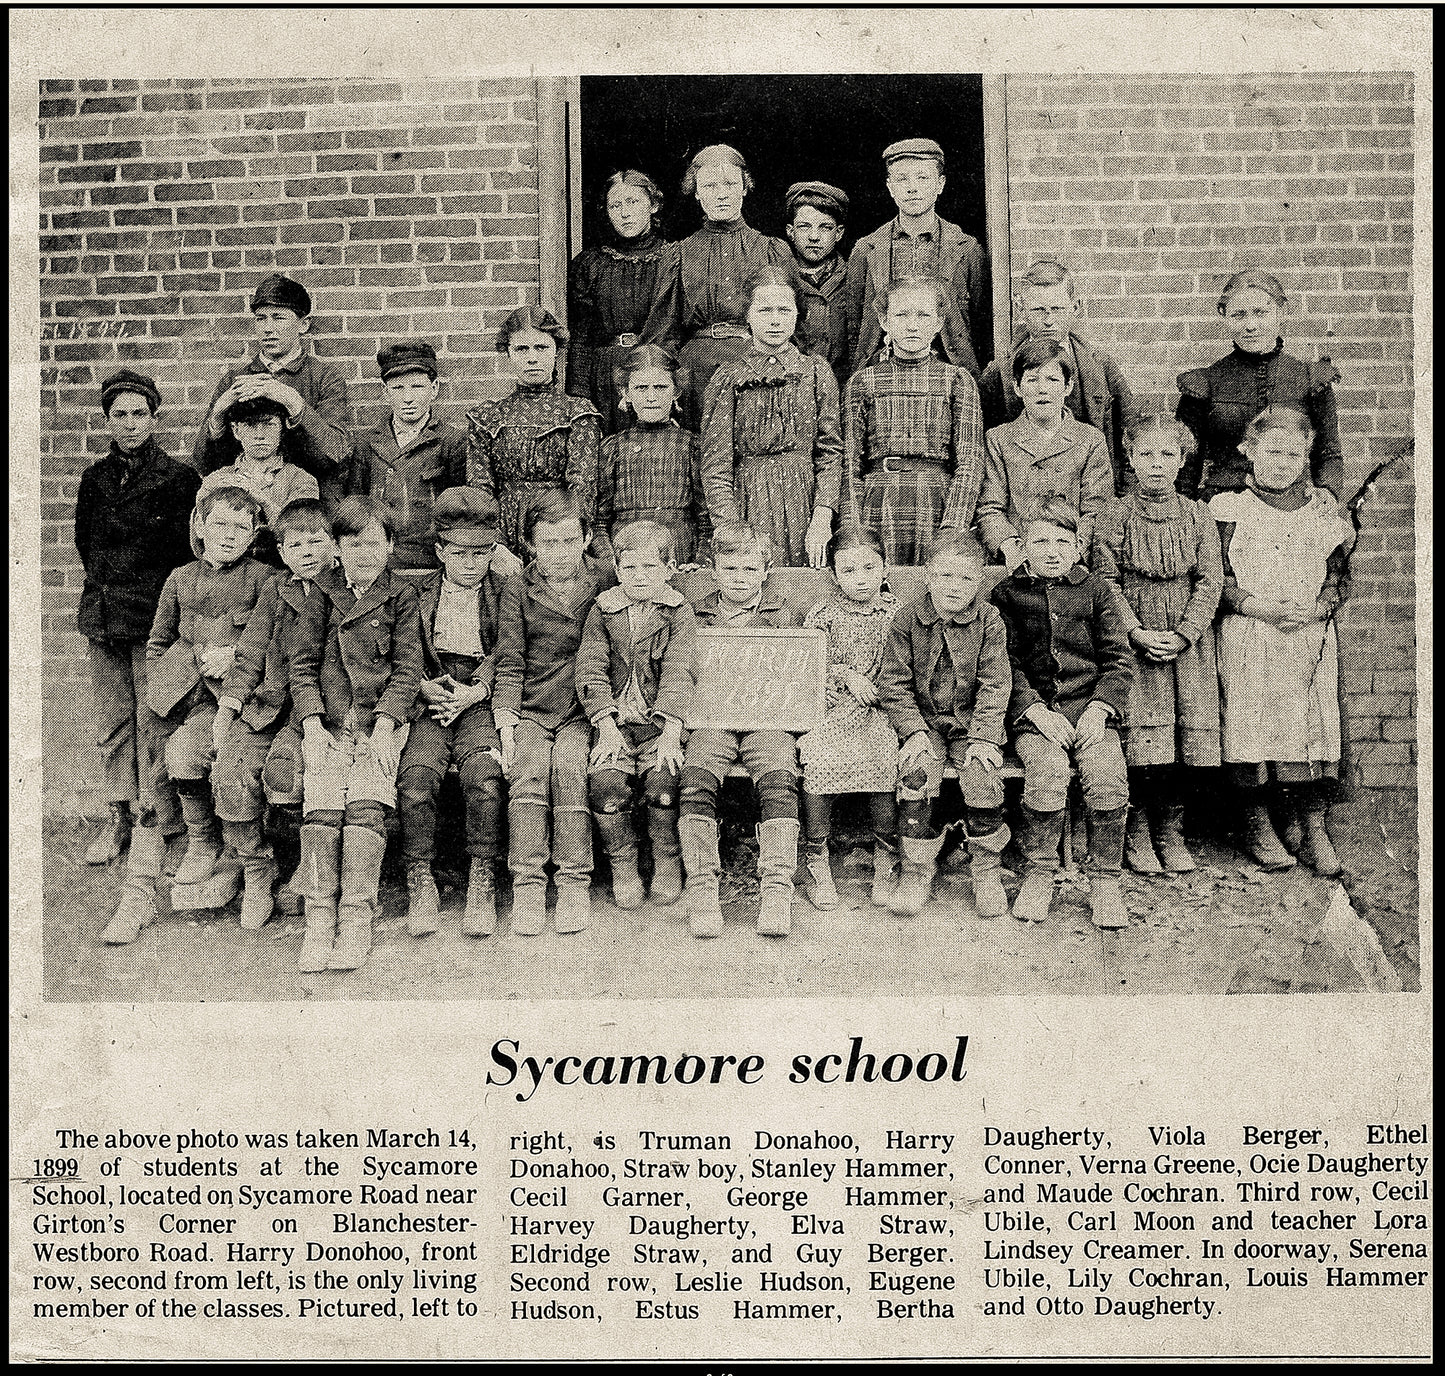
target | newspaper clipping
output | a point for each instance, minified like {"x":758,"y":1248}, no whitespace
{"x":720,"y":684}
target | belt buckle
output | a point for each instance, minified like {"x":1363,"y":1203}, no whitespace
{"x":627,"y":341}
{"x":888,"y":459}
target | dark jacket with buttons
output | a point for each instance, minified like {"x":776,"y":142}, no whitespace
{"x":772,"y":610}
{"x":662,"y":654}
{"x":489,"y":610}
{"x":1066,"y":643}
{"x":131,"y":523}
{"x":538,"y":636}
{"x":946,"y":674}
{"x":258,"y":688}
{"x":362,"y":652}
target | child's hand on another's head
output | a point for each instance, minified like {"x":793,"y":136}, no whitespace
{"x":985,"y":754}
{"x":505,"y":562}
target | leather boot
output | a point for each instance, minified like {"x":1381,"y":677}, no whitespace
{"x":317,"y":879}
{"x":986,"y":868}
{"x":137,"y":906}
{"x":527,"y":858}
{"x":362,"y":851}
{"x":1169,"y":841}
{"x":1040,"y":833}
{"x":114,"y":836}
{"x":1106,"y":852}
{"x":698,"y":838}
{"x":422,"y":917}
{"x":203,"y":839}
{"x":920,"y":860}
{"x":777,"y":863}
{"x":1261,"y":842}
{"x":621,"y":843}
{"x":818,"y":886}
{"x":666,"y":886}
{"x":258,"y":864}
{"x":885,"y":872}
{"x":1317,"y":851}
{"x":1139,"y":844}
{"x":572,"y":855}
{"x":480,"y":918}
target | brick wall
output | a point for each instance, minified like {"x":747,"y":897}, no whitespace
{"x":406,"y":208}
{"x":1156,"y":189}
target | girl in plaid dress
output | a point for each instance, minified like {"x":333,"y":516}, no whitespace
{"x":854,"y":749}
{"x":771,"y":452}
{"x":652,"y":471}
{"x":912,"y":431}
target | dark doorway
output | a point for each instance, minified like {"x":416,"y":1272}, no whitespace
{"x":789,"y":128}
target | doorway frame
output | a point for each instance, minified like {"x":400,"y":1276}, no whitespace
{"x":559,"y":194}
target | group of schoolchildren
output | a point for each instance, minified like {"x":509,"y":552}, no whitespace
{"x":501,"y":601}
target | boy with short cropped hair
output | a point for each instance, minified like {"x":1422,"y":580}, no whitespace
{"x":635,"y":676}
{"x":945,"y":685}
{"x":1100,"y":396}
{"x":919,"y":243}
{"x":817,"y":215}
{"x":355,"y":673}
{"x":746,"y":595}
{"x":204,"y":607}
{"x":256,"y":738}
{"x":1073,"y":671}
{"x":544,"y":732}
{"x":460,"y":605}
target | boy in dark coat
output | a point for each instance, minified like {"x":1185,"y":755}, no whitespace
{"x":817,"y":215}
{"x":131,"y":516}
{"x":635,"y":678}
{"x":1073,"y":671}
{"x":453,"y":724}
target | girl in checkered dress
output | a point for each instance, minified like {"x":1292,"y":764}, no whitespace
{"x":652,"y":470}
{"x":912,"y":431}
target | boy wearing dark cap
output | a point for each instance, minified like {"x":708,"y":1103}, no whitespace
{"x":919,"y":242}
{"x":318,"y":421}
{"x":131,"y":517}
{"x":817,"y":215}
{"x":454,"y":725}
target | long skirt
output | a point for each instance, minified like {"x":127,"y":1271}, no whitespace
{"x":774,"y":493}
{"x":905,"y":509}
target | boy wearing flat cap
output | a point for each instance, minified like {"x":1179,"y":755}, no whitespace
{"x":318,"y":420}
{"x":453,"y":717}
{"x":919,"y":242}
{"x":817,"y":215}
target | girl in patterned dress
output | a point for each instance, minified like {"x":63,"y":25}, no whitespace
{"x":771,"y":451}
{"x":913,"y":445}
{"x":853,"y":749}
{"x":620,"y":294}
{"x":1161,"y":552}
{"x":538,"y":437}
{"x":652,"y":471}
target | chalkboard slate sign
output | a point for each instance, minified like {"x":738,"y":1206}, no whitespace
{"x":759,"y":679}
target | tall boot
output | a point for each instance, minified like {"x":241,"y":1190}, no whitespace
{"x":1261,"y":842}
{"x":422,"y":915}
{"x":885,"y":871}
{"x":317,"y":880}
{"x":113,"y":838}
{"x":258,"y":863}
{"x":698,"y":838}
{"x":1106,"y":853}
{"x":621,"y":842}
{"x":1139,"y":844}
{"x":480,"y":918}
{"x":1317,"y":851}
{"x":1040,"y":833}
{"x":203,"y":839}
{"x":986,"y":867}
{"x":362,"y":851}
{"x":137,"y":906}
{"x":666,"y":886}
{"x":777,"y":862}
{"x":1169,"y":840}
{"x":818,"y":886}
{"x":920,"y":860}
{"x":572,"y":854}
{"x":527,"y":859}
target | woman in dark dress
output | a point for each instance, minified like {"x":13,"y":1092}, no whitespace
{"x":717,"y":261}
{"x":620,"y":294}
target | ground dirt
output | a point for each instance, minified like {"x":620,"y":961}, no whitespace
{"x":1228,"y":928}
